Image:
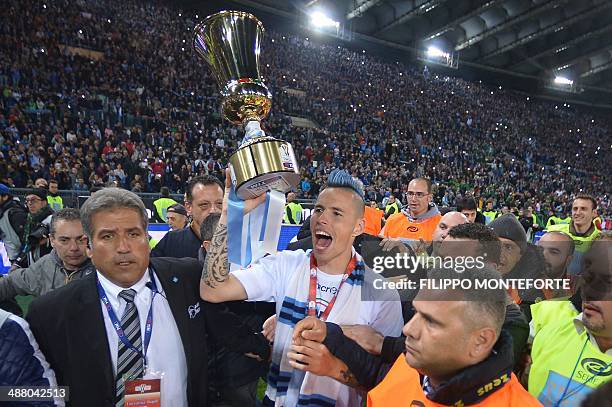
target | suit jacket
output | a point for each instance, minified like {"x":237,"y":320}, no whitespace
{"x":69,"y":326}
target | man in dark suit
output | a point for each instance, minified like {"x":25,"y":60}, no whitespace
{"x":96,"y":332}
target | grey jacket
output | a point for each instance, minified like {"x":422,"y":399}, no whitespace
{"x":12,"y":222}
{"x":47,"y":274}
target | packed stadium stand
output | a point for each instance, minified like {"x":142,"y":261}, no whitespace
{"x":99,"y":91}
{"x":447,"y":243}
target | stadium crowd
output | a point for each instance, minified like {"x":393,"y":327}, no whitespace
{"x":108,"y":97}
{"x":144,"y":113}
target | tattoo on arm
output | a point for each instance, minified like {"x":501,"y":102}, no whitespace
{"x":216,"y":265}
{"x":348,"y":378}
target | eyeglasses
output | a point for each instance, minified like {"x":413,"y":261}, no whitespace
{"x":32,"y":200}
{"x":417,"y":194}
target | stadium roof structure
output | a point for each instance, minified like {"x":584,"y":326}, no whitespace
{"x":532,"y":40}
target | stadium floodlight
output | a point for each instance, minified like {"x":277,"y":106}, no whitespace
{"x":436,"y":52}
{"x":563,"y":84}
{"x":319,"y":20}
{"x":562,"y":80}
{"x":437,"y":56}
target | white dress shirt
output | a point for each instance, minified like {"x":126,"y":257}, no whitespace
{"x":580,"y":328}
{"x":165,"y":354}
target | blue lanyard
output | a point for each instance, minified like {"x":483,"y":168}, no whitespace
{"x":117,"y":324}
{"x":569,"y":381}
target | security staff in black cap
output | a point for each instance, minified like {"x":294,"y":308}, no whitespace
{"x":177,"y":217}
{"x":519,"y":260}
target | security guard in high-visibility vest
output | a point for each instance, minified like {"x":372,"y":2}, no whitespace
{"x":581,"y":229}
{"x":53,"y":199}
{"x":490,"y":214}
{"x":162,"y":204}
{"x":392,"y":207}
{"x":293,"y":210}
{"x":553,"y":219}
{"x":572,"y":350}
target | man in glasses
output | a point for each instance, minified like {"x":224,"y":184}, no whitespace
{"x":66,"y":262}
{"x":36,"y":242}
{"x":419,"y":219}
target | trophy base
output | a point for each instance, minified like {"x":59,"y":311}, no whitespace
{"x":262,"y":164}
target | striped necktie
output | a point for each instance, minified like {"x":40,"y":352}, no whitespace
{"x":130,"y":364}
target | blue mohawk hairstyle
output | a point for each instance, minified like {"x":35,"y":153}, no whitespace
{"x":342,"y":179}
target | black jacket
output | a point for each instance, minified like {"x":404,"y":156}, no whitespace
{"x":178,"y":243}
{"x":532,"y":265}
{"x":228,"y":366}
{"x":69,"y":326}
{"x":37,"y":229}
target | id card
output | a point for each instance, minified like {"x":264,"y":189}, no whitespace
{"x":143,"y":392}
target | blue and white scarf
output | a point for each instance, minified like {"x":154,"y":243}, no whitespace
{"x":291,"y":387}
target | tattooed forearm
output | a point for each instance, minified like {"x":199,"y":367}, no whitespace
{"x":348,"y":378}
{"x":216,"y":265}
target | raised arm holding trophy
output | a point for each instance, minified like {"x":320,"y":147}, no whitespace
{"x":230,"y":42}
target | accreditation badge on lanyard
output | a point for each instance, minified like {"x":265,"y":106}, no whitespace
{"x":312,"y":293}
{"x":138,"y":391}
{"x":142,"y":392}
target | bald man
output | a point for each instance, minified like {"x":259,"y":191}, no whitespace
{"x":447,"y":222}
{"x":558,"y":249}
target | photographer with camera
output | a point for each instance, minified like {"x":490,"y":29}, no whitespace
{"x":36,"y":232}
{"x":67,"y":261}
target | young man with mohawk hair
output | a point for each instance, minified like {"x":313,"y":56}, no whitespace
{"x":329,"y":282}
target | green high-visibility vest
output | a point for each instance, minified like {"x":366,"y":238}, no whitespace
{"x":162,"y":205}
{"x":295,"y":209}
{"x":558,"y":351}
{"x":55,"y":202}
{"x":553,"y":220}
{"x":390,"y":206}
{"x":489,"y":216}
{"x":153,"y":243}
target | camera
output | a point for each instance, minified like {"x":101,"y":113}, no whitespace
{"x":41,"y":231}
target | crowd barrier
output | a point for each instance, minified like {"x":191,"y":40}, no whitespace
{"x":158,"y":230}
{"x":74,"y":199}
